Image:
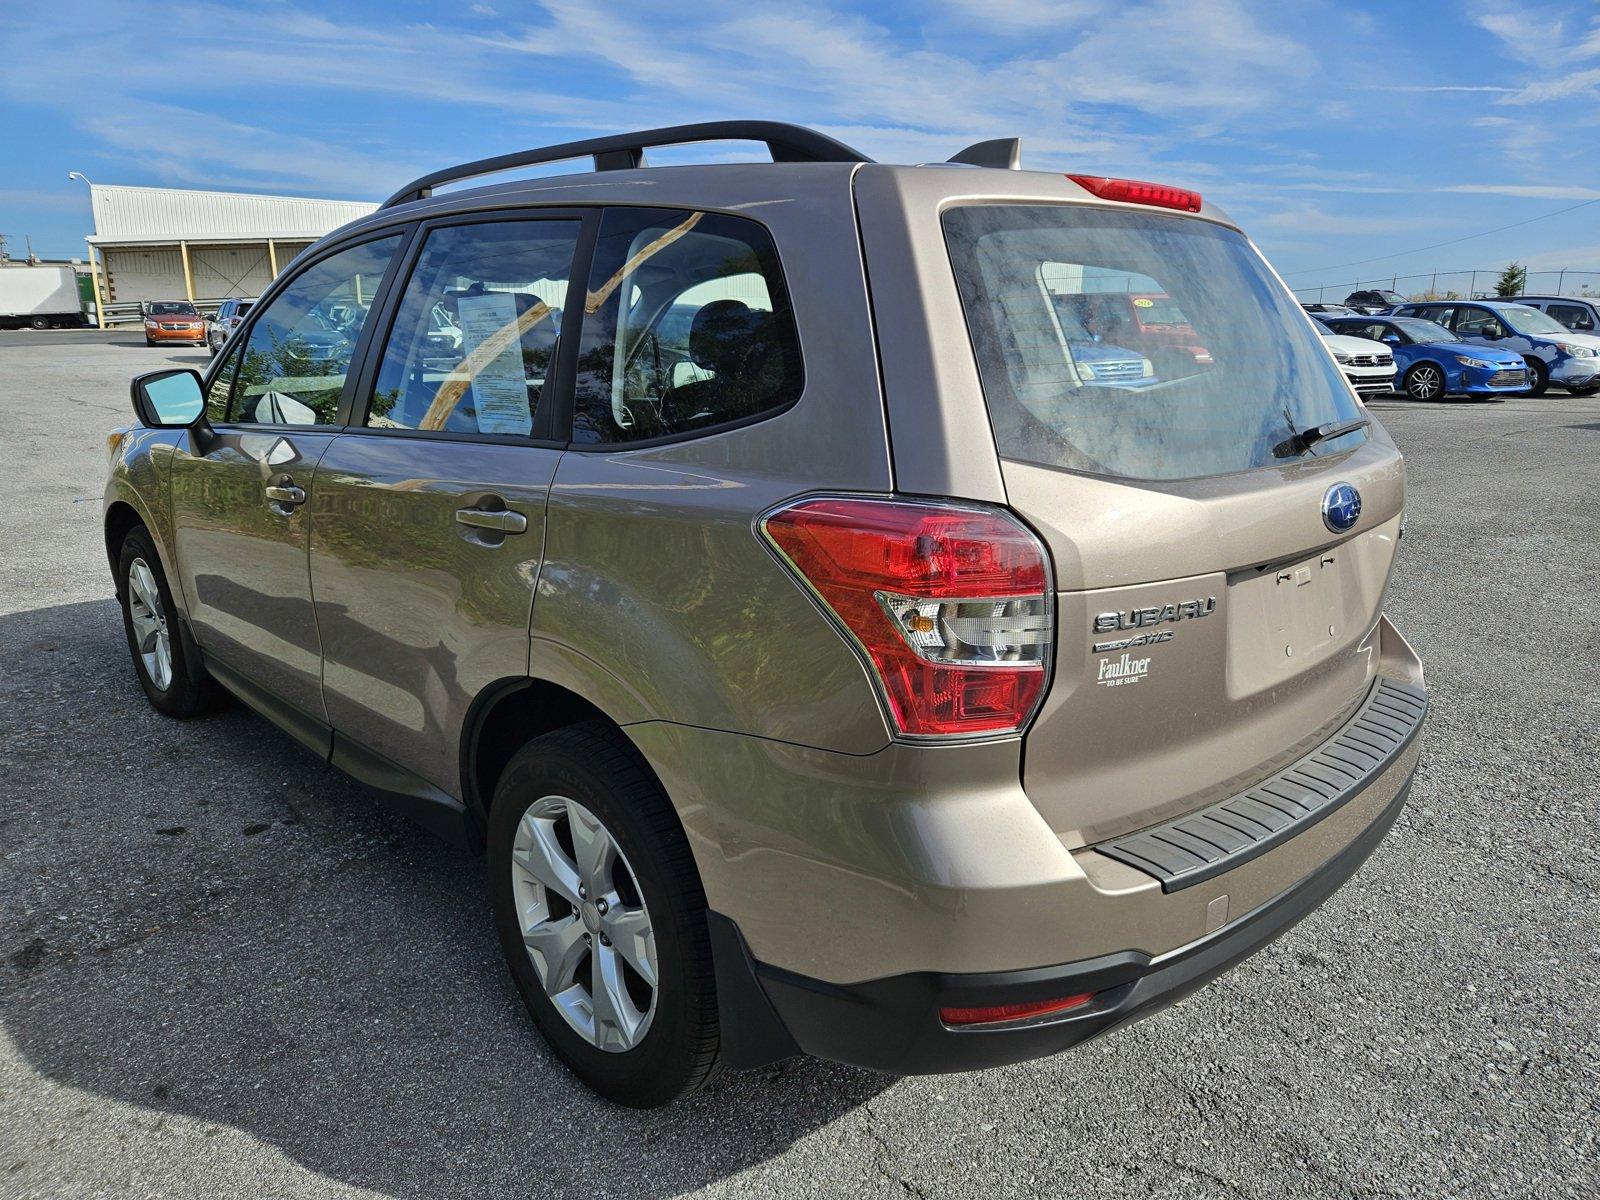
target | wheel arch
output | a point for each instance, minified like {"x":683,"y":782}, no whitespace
{"x":120,"y":518}
{"x":507,"y":715}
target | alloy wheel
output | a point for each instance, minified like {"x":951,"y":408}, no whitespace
{"x":584,"y":923}
{"x":149,"y":616}
{"x":1426,"y":383}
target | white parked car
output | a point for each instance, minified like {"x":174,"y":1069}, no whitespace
{"x":1368,"y":365}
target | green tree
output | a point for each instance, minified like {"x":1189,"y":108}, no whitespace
{"x":1512,"y":280}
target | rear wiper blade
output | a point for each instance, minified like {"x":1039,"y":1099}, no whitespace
{"x":1305,"y":439}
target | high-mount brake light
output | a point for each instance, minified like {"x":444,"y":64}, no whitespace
{"x":1136,"y":191}
{"x":951,"y":604}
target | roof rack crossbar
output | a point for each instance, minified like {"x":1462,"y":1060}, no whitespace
{"x":621,"y":151}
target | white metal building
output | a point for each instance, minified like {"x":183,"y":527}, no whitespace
{"x":175,"y":244}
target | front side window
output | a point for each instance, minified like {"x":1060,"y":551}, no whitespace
{"x":293,"y":365}
{"x":220,"y":390}
{"x":474,"y":340}
{"x":1065,"y":391}
{"x":687,"y":328}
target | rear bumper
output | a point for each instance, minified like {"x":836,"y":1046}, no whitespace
{"x":1355,"y":782}
{"x":893,"y":1024}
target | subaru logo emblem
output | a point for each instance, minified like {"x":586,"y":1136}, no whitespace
{"x":1341,"y":507}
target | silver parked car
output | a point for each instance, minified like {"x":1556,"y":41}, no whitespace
{"x":230,"y":315}
{"x":748,"y":559}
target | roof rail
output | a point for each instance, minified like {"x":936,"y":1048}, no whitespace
{"x":620,"y":151}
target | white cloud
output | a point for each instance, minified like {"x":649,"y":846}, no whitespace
{"x":1440,"y":87}
{"x":184,"y":145}
{"x":1563,"y":87}
{"x":1527,"y":190}
{"x":1311,"y":219}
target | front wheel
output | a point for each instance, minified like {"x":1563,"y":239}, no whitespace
{"x":1425,"y":381}
{"x":602,"y":916}
{"x":39,"y":323}
{"x":1591,"y":390}
{"x":1538,"y":376}
{"x":174,"y":685}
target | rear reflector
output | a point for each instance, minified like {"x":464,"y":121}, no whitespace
{"x":1135,"y":191}
{"x":1000,"y":1013}
{"x":950,"y":604}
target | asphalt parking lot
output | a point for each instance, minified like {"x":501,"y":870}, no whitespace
{"x":225,"y":971}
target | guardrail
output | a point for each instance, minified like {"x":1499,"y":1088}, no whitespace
{"x":130,"y":312}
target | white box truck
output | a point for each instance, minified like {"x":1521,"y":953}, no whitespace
{"x":39,"y":298}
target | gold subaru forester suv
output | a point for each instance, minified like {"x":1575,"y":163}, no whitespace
{"x":835,"y":644}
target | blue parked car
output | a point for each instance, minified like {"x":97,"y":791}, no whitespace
{"x":1554,"y":353}
{"x":1432,"y":363}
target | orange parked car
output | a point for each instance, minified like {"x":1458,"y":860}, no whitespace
{"x":173,"y":321}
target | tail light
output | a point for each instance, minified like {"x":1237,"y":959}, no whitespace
{"x":1136,"y":191}
{"x":951,"y":605}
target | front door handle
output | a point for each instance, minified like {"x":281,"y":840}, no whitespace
{"x":286,"y":494}
{"x":500,"y":520}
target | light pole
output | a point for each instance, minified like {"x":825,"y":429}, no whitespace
{"x":94,"y":270}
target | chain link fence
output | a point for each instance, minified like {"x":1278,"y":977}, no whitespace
{"x":1459,"y":285}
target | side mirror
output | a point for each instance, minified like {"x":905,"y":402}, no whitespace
{"x":168,"y":399}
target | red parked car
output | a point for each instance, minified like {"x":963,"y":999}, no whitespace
{"x":1150,"y":322}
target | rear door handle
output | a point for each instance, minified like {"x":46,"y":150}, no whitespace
{"x":286,"y":494}
{"x":500,"y":520}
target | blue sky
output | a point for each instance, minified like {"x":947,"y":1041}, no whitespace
{"x":1335,"y":132}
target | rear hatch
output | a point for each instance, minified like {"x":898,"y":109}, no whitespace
{"x":1213,"y":623}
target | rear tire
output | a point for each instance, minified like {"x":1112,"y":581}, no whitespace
{"x":1425,"y":382}
{"x":1590,"y":390}
{"x":39,"y":323}
{"x":1538,"y":376}
{"x":560,"y":797}
{"x":174,"y":685}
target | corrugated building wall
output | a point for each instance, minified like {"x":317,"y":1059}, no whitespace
{"x":232,"y":240}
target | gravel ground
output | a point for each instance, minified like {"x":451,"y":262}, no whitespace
{"x":225,"y":971}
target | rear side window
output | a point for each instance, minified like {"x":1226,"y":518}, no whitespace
{"x":687,"y":328}
{"x":474,"y":341}
{"x":1071,"y":383}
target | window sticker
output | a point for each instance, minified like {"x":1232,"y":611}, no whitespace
{"x":490,"y":333}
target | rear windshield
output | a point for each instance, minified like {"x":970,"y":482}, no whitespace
{"x":1077,"y":383}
